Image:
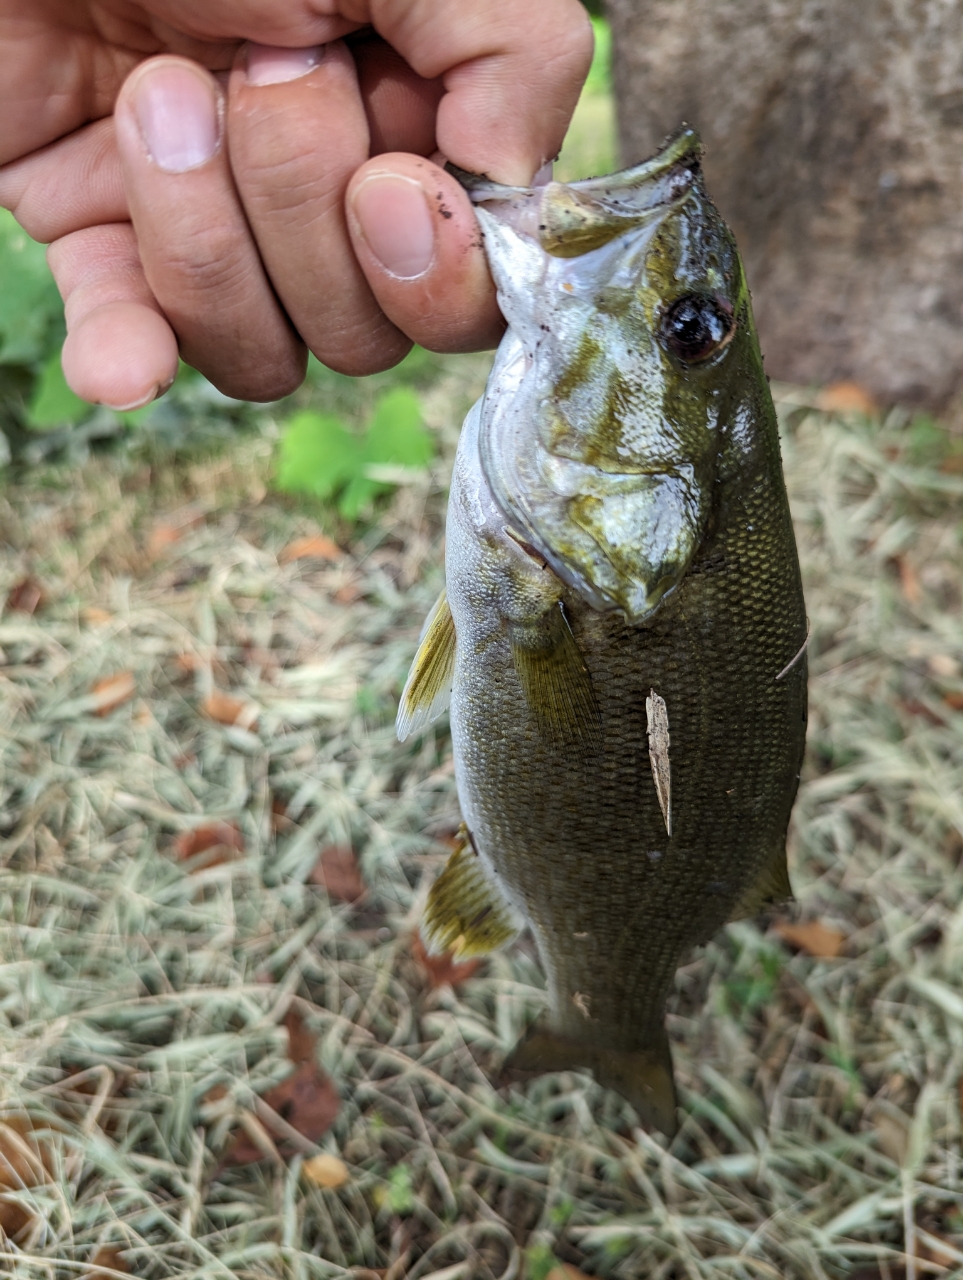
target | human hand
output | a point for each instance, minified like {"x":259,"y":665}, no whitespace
{"x":249,"y":199}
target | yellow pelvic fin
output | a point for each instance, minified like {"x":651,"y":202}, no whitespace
{"x":428,"y":687}
{"x":465,"y":912}
{"x":644,"y":1077}
{"x":771,"y":888}
{"x":556,"y":682}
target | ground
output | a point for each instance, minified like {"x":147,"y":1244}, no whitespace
{"x":151,"y":991}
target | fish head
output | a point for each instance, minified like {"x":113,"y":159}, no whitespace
{"x":629,"y":335}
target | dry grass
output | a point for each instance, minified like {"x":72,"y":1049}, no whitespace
{"x":823,"y":1129}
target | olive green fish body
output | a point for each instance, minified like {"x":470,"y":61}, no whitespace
{"x":638,"y":669}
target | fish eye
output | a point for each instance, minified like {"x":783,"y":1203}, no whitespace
{"x":696,"y":326}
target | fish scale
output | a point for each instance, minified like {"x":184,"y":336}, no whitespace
{"x":678,"y":579}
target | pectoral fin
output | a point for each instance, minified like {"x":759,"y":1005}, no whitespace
{"x":466,"y":913}
{"x":644,"y":1077}
{"x":428,"y":688}
{"x":770,"y":888}
{"x":556,"y":682}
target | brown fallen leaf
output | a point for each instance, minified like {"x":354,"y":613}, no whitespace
{"x":908,"y":580}
{"x":444,"y":969}
{"x":26,"y":596}
{"x":280,"y":822}
{"x":307,"y":1099}
{"x":170,"y":528}
{"x":348,"y":594}
{"x":226,"y":709}
{"x":219,"y":841}
{"x":846,"y":397}
{"x":812,"y":937}
{"x":565,"y":1271}
{"x":336,"y":870}
{"x":326,"y":1171}
{"x":24,"y":1162}
{"x":112,"y":692}
{"x":316,"y":547}
{"x":94,"y":616}
{"x":954,"y":700}
{"x":107,"y":1259}
{"x":161,"y":538}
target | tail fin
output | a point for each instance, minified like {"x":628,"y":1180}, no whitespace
{"x":643,"y":1077}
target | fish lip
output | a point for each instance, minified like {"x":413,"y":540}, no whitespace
{"x":570,"y":219}
{"x":682,"y":148}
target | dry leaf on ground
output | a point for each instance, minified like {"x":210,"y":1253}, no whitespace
{"x":220,"y":841}
{"x":812,"y":937}
{"x":908,"y":580}
{"x":317,"y":547}
{"x":846,"y":397}
{"x":565,"y":1271}
{"x":337,"y":871}
{"x":444,"y":969}
{"x":307,"y":1099}
{"x":26,"y":596}
{"x":954,"y":700}
{"x":226,"y":709}
{"x":112,"y":692}
{"x":326,"y":1171}
{"x":24,"y":1162}
{"x":94,"y":616}
{"x":106,"y":1260}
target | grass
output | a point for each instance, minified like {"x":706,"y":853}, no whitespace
{"x":822,"y":1096}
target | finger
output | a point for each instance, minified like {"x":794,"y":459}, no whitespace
{"x":120,"y":351}
{"x":199,"y":258}
{"x":512,"y":74}
{"x":69,"y":185}
{"x":400,"y":105}
{"x":297,"y":132}
{"x":415,"y":235}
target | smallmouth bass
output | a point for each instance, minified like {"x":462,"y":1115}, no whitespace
{"x":622,"y":636}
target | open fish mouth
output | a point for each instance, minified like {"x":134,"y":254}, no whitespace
{"x":601,"y":420}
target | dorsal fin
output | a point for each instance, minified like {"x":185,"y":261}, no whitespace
{"x":428,"y":687}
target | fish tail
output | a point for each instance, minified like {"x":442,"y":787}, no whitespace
{"x":643,"y":1076}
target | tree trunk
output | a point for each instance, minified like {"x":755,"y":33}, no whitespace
{"x":834,"y":149}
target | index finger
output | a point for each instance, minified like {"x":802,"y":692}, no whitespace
{"x":512,"y":74}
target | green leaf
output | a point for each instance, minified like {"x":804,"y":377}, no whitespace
{"x":358,"y":495}
{"x":396,"y":432}
{"x":401,"y":1198}
{"x":318,"y":456}
{"x":53,"y":404}
{"x":31,"y":313}
{"x":600,"y":73}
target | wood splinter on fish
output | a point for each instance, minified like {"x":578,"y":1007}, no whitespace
{"x":657,"y":715}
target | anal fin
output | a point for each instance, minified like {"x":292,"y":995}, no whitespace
{"x":644,"y":1076}
{"x":466,"y":913}
{"x":428,"y":688}
{"x":556,"y":682}
{"x":771,"y":888}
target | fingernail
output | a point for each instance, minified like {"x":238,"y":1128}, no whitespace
{"x":139,"y":403}
{"x":396,"y":222}
{"x":179,"y":117}
{"x":270,"y":64}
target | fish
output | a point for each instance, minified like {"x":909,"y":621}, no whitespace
{"x":621,"y":641}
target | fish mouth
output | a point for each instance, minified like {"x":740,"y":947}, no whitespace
{"x":573,"y":218}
